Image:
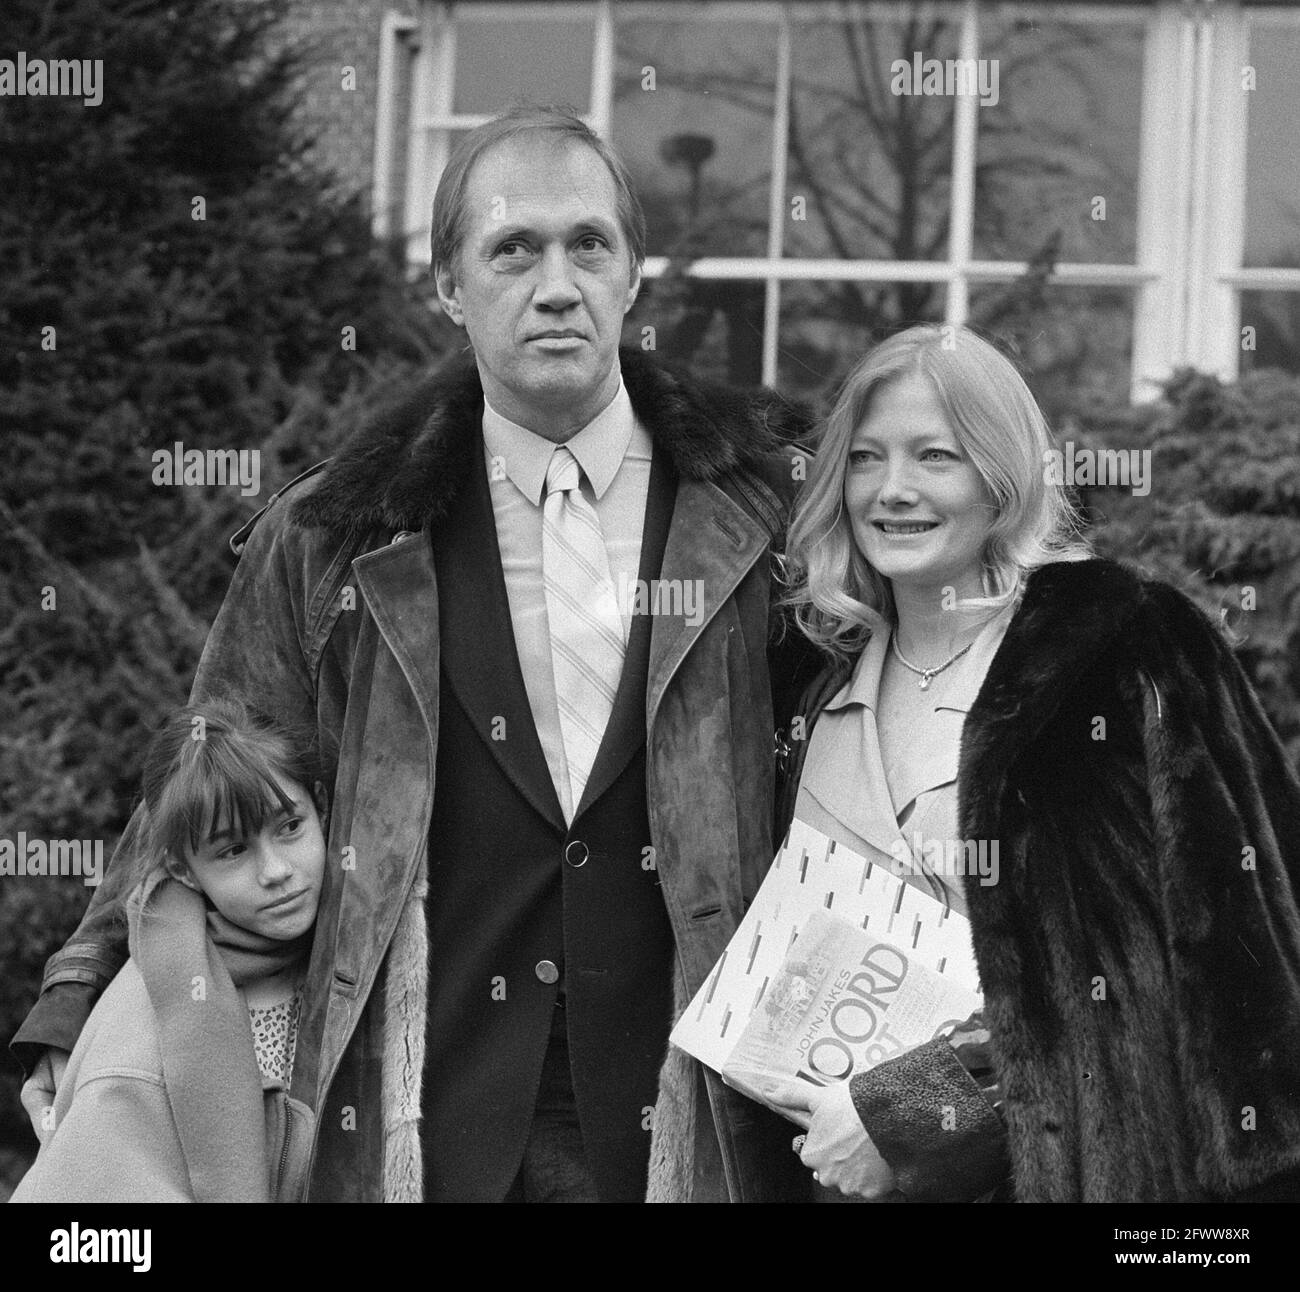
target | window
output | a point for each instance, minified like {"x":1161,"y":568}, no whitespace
{"x":1116,"y":186}
{"x":1270,"y":279}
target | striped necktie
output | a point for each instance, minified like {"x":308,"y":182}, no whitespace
{"x":586,"y":629}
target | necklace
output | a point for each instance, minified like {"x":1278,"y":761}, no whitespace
{"x":926,"y":674}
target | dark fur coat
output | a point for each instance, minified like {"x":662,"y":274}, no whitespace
{"x":1141,"y":953}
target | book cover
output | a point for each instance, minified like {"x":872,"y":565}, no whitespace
{"x":812,"y":873}
{"x":842,"y":1001}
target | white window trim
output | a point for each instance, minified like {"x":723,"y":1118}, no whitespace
{"x":1164,"y":187}
{"x":394,"y":30}
{"x":776,"y":200}
{"x":1217,"y":210}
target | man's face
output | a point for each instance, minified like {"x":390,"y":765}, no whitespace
{"x":542,"y":281}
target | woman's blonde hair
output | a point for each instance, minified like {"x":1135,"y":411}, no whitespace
{"x":839,"y":599}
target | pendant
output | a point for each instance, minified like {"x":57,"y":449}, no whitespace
{"x":925,"y":680}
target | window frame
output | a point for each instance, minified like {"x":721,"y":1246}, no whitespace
{"x":1187,"y":276}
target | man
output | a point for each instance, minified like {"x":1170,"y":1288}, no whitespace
{"x":527,"y":610}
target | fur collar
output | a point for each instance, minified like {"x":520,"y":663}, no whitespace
{"x":403,"y":468}
{"x":1073,"y":614}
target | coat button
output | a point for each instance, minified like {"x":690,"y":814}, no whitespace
{"x":547,"y":972}
{"x":576,"y":853}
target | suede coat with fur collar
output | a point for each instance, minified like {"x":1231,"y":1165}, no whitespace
{"x":332,"y":620}
{"x":1140,"y":949}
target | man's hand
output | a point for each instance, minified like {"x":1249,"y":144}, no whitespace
{"x":836,"y":1148}
{"x":39,"y":1089}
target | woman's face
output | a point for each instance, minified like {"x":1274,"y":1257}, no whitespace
{"x":919,"y":511}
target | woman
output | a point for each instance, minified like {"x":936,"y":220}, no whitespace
{"x":1138,"y":944}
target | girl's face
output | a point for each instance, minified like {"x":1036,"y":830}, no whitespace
{"x":919,"y":510}
{"x":268,"y":882}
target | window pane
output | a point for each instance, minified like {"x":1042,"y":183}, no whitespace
{"x":868,"y":171}
{"x":1073,"y":344}
{"x":1064,"y":131}
{"x":693,"y":111}
{"x":1275,"y":316}
{"x":1273,"y":150}
{"x":424,"y":184}
{"x":827,"y":327}
{"x":499,"y":62}
{"x":715,"y":327}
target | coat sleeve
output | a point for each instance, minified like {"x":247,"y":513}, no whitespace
{"x":254,"y":653}
{"x":1226,"y":820}
{"x":118,"y":1143}
{"x":934,"y":1115}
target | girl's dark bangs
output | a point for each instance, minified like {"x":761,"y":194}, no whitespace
{"x":220,"y":790}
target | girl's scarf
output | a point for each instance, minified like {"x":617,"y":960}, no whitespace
{"x":192,"y":959}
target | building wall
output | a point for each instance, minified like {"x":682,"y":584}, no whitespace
{"x":335,"y":34}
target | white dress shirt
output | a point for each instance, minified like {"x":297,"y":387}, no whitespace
{"x":614,"y":451}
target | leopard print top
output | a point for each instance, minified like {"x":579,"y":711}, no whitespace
{"x":275,"y":1036}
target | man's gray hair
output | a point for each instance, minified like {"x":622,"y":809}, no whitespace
{"x":526,"y":119}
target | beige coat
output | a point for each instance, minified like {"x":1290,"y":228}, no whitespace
{"x":160,"y":1101}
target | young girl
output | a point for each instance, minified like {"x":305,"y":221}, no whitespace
{"x":177,"y":1088}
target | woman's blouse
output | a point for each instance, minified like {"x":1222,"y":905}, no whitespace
{"x":844,"y":790}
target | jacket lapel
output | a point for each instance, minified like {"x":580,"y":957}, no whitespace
{"x":398,"y":584}
{"x":712,"y":544}
{"x":479,"y":657}
{"x":847,"y":773}
{"x":625,"y":733}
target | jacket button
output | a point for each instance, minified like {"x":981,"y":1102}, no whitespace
{"x":547,"y":972}
{"x":576,"y":853}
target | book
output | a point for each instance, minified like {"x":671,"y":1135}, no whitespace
{"x":811,"y":875}
{"x":843,"y":1001}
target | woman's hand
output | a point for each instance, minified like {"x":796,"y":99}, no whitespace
{"x":836,"y":1148}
